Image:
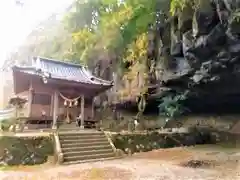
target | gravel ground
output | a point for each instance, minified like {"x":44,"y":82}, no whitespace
{"x":132,"y":169}
{"x":155,"y":165}
{"x":121,"y":169}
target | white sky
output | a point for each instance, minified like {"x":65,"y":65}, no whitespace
{"x":17,"y":22}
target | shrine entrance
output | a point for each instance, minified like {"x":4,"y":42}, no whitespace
{"x":71,"y":110}
{"x":67,"y":92}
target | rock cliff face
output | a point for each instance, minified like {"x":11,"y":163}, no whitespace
{"x":205,"y":51}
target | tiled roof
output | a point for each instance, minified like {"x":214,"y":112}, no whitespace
{"x":63,"y":71}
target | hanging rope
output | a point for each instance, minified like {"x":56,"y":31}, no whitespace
{"x":68,"y":101}
{"x":142,"y":103}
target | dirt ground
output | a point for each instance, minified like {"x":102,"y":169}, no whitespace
{"x":198,"y":163}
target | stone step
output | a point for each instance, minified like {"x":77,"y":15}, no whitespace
{"x":64,"y":129}
{"x":73,"y":125}
{"x":74,"y":122}
{"x":90,"y":136}
{"x":86,"y":148}
{"x":89,"y":160}
{"x":63,"y":141}
{"x":91,"y":157}
{"x":82,"y":144}
{"x":86,"y":153}
{"x":79,"y":133}
{"x":65,"y":124}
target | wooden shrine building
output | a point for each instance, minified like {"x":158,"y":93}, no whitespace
{"x":57,"y":92}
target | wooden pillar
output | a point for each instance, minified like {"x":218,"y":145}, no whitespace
{"x":55,"y":109}
{"x":51,"y":107}
{"x":30,"y":98}
{"x":82,"y":111}
{"x":93,"y":113}
{"x":115,"y":79}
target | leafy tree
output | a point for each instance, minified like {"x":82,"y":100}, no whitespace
{"x":103,"y":29}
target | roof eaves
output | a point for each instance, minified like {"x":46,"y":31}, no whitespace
{"x":32,"y":71}
{"x":15,"y":67}
{"x":107,"y":86}
{"x":60,"y":62}
{"x":91,"y":77}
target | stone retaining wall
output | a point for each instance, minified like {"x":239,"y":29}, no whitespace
{"x":140,"y":142}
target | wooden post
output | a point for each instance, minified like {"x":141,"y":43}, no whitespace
{"x":30,"y":97}
{"x":93,"y":113}
{"x":115,"y":79}
{"x":55,"y":109}
{"x":82,"y":112}
{"x":51,"y":107}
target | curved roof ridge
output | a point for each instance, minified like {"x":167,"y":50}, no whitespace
{"x":88,"y":73}
{"x":59,"y":62}
{"x":62,"y":71}
{"x":23,"y":67}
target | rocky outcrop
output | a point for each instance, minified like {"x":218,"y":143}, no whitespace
{"x":205,"y":51}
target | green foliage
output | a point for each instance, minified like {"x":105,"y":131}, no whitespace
{"x":108,"y":29}
{"x":17,"y":102}
{"x":236,"y":16}
{"x":6,"y":123}
{"x":83,"y":14}
{"x":171,"y":105}
{"x":178,"y":5}
{"x":93,"y":30}
{"x":25,"y":151}
{"x":96,"y":30}
{"x":143,"y":14}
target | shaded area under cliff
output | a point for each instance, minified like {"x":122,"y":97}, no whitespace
{"x":205,"y":53}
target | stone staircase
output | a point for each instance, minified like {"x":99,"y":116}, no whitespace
{"x":63,"y":125}
{"x":235,"y":129}
{"x":83,"y":146}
